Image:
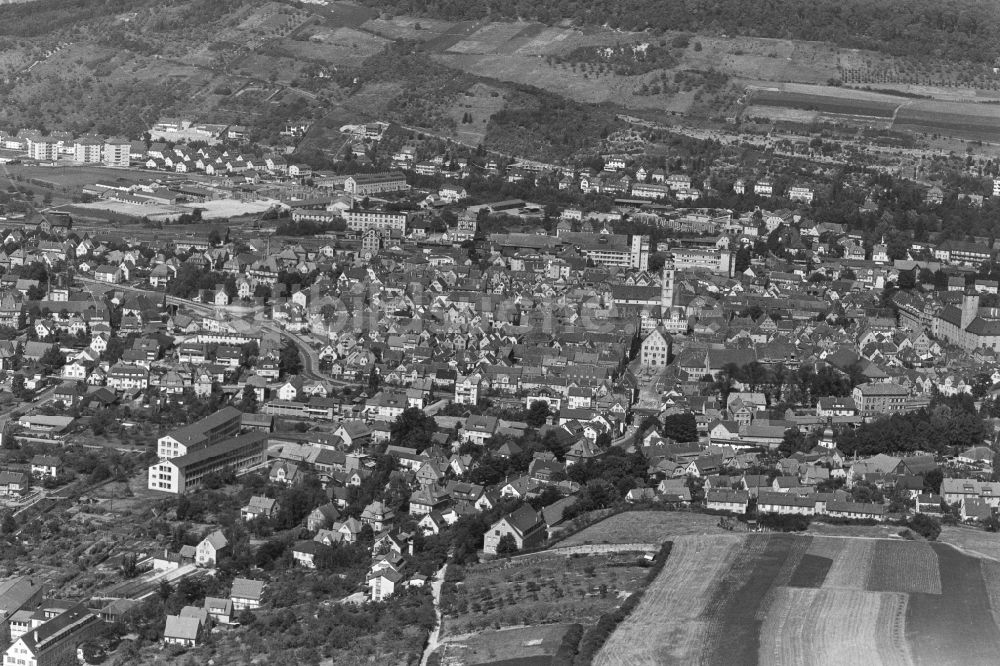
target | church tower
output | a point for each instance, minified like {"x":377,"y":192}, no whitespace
{"x":970,"y":309}
{"x":667,"y":287}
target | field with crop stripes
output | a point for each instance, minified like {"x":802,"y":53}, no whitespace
{"x":793,"y":599}
{"x":801,"y":103}
{"x":838,"y":104}
{"x":669,"y":625}
{"x":972,"y":120}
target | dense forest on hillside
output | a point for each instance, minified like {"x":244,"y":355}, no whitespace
{"x":43,"y":17}
{"x":952,"y":29}
{"x":31,"y":19}
{"x":541,"y":125}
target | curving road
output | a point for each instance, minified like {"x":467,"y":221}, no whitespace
{"x":310,"y":357}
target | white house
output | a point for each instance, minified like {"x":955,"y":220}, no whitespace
{"x":210,"y":548}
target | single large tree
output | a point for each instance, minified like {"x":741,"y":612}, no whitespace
{"x":412,"y":428}
{"x":507,"y":546}
{"x":538,"y":414}
{"x":248,"y":401}
{"x":290,"y":362}
{"x":681,"y":427}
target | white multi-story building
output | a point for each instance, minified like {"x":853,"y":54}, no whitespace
{"x":716,"y":260}
{"x":87,"y":150}
{"x":375,"y":183}
{"x":467,"y":390}
{"x":655,"y":350}
{"x":363,"y":220}
{"x":54,"y":641}
{"x":43,"y":149}
{"x":200,"y":434}
{"x":800,"y":194}
{"x":238,"y":455}
{"x":650,"y":191}
{"x":117,"y":152}
{"x":128,"y":377}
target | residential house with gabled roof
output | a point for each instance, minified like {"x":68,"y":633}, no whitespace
{"x":525,"y":525}
{"x":210,"y":548}
{"x":378,"y":515}
{"x":427,"y":499}
{"x":184,"y":631}
{"x":304,"y":553}
{"x":246,"y":594}
{"x":322,"y":517}
{"x":219,"y":610}
{"x":479,"y":429}
{"x":259,"y":507}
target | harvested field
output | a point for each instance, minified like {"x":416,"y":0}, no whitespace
{"x":904,"y":566}
{"x":871,"y":531}
{"x":811,"y":571}
{"x":669,"y":624}
{"x":739,"y":605}
{"x":792,"y":599}
{"x":955,"y":627}
{"x":828,"y":548}
{"x":795,"y":550}
{"x":834,"y":627}
{"x":645,"y":527}
{"x":976,"y":541}
{"x":409,"y":27}
{"x":780,"y":114}
{"x":991,"y":577}
{"x":490,"y":38}
{"x":850,"y":567}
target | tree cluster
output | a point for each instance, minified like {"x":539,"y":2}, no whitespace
{"x":944,"y":425}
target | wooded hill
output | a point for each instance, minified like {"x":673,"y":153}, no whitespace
{"x":951,"y":29}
